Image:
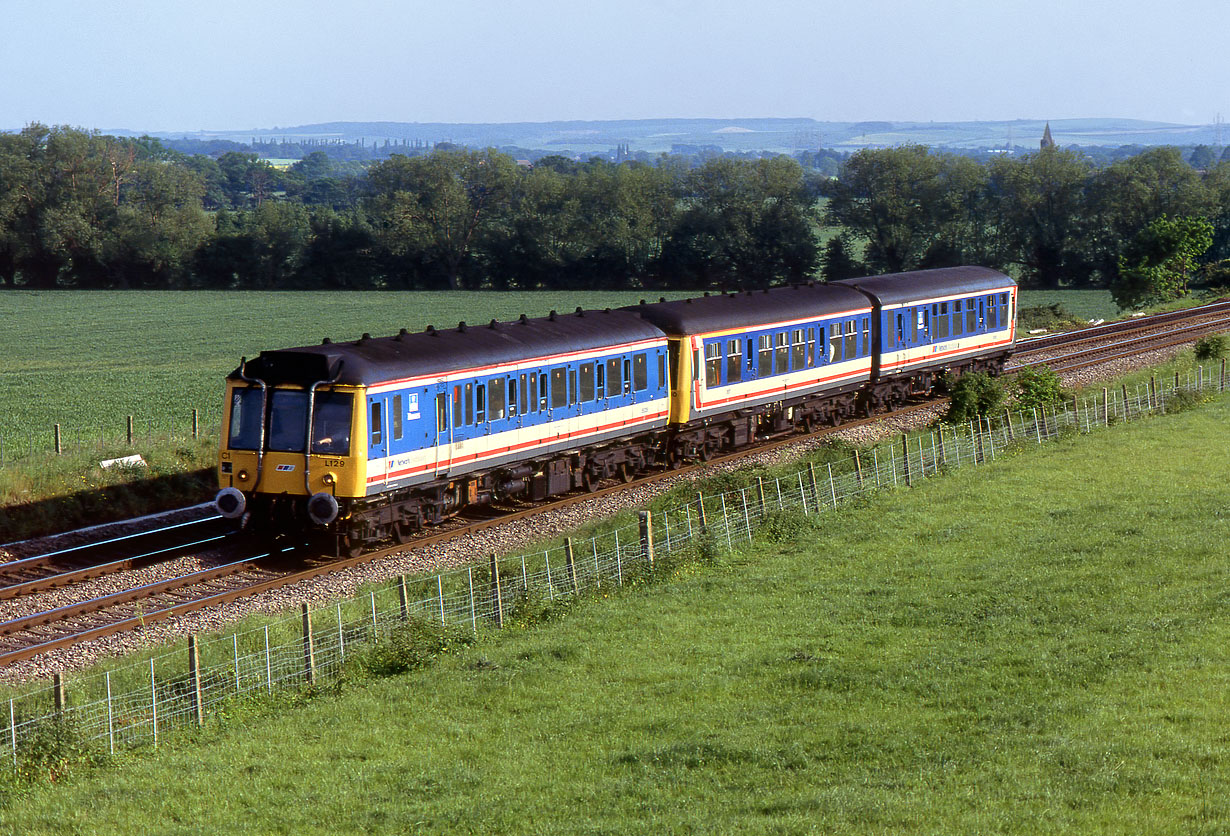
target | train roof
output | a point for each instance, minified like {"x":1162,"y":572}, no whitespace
{"x":749,"y":309}
{"x":895,"y":288}
{"x":370,"y":361}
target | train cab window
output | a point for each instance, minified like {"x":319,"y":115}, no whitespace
{"x":781,"y":353}
{"x":613,"y":379}
{"x":246,"y":418}
{"x":331,"y":423}
{"x":971,"y":318}
{"x":480,"y":404}
{"x":542,"y":392}
{"x":559,"y":388}
{"x":734,"y":361}
{"x":441,"y":413}
{"x":811,"y":347}
{"x":798,"y":349}
{"x":834,"y":342}
{"x":764,"y":356}
{"x":495,"y":398}
{"x":469,"y":403}
{"x":585,"y":382}
{"x":850,"y":327}
{"x":397,"y":415}
{"x":377,"y":426}
{"x":640,"y":372}
{"x":713,"y":364}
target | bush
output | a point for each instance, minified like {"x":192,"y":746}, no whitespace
{"x":1050,"y":317}
{"x":975,"y":395}
{"x":413,"y":645}
{"x":1038,"y":386}
{"x":1211,"y":347}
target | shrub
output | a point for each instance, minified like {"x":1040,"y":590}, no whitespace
{"x":975,"y":395}
{"x":1050,"y":317}
{"x":1038,"y":386}
{"x":413,"y":645}
{"x":1211,"y":347}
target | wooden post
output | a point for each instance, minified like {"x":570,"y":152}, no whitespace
{"x":571,"y":565}
{"x":647,"y":537}
{"x":1105,"y":407}
{"x":832,"y":486}
{"x":1152,"y":392}
{"x":1008,"y":424}
{"x":57,"y":692}
{"x":1076,"y":412}
{"x":59,"y":446}
{"x":495,"y":592}
{"x":196,"y":424}
{"x":858,"y":468}
{"x":815,"y":487}
{"x":194,"y":674}
{"x":403,"y":597}
{"x":905,"y":458}
{"x":129,"y":430}
{"x":1125,"y":402}
{"x":1223,"y":375}
{"x":943,"y":452}
{"x":309,"y":651}
{"x":700,"y":511}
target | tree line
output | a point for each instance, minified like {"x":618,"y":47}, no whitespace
{"x":82,"y":209}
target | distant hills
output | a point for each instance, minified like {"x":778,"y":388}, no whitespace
{"x":783,"y":135}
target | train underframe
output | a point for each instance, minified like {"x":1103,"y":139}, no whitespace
{"x":400,"y":514}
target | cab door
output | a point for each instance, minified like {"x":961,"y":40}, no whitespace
{"x":378,"y":438}
{"x":443,"y":452}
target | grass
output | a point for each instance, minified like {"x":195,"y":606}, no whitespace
{"x":1035,"y":646}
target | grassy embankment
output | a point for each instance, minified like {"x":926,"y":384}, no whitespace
{"x":1035,"y":646}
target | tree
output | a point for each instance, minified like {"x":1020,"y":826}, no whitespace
{"x":1038,"y":387}
{"x":1160,"y":260}
{"x":837,"y":262}
{"x":1202,"y":158}
{"x":974,"y":395}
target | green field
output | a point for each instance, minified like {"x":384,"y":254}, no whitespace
{"x":1040,"y":645}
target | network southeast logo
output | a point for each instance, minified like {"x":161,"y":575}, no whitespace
{"x":285,"y":468}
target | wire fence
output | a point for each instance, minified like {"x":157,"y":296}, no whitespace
{"x":137,"y":704}
{"x":135,"y":435}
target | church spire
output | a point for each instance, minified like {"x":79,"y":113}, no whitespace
{"x":1047,"y":140}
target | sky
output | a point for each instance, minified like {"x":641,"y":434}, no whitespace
{"x":164,"y":65}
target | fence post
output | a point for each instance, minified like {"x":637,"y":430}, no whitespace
{"x":1008,"y":423}
{"x":110,"y":718}
{"x":905,"y":457}
{"x":495,"y":588}
{"x":647,"y":538}
{"x":375,"y":622}
{"x":832,"y":487}
{"x":473,"y":614}
{"x":309,"y":651}
{"x":747,"y":520}
{"x":1105,"y":407}
{"x":593,"y":545}
{"x":1126,"y":414}
{"x":571,"y":565}
{"x":57,"y":693}
{"x":700,"y":511}
{"x":194,"y":674}
{"x":619,"y":564}
{"x":760,"y":498}
{"x":153,"y":703}
{"x":341,"y":634}
{"x":858,"y":469}
{"x":129,"y":430}
{"x":268,"y":664}
{"x":196,"y":424}
{"x":59,"y":446}
{"x":943,"y":451}
{"x":235,"y":647}
{"x":1222,"y":387}
{"x":815,"y":487}
{"x":403,"y":598}
{"x":13,"y":728}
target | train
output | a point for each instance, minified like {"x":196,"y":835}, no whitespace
{"x":364,"y":442}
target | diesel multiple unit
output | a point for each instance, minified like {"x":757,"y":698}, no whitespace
{"x":374,"y":439}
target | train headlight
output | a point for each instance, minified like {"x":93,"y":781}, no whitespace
{"x":231,"y":503}
{"x":322,"y":508}
{"x":242,"y":476}
{"x":329,"y":479}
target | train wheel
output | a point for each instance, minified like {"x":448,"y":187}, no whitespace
{"x":402,"y":533}
{"x":352,"y":546}
{"x":626,"y":473}
{"x":590,"y":479}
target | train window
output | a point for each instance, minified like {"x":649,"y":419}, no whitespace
{"x":246,"y":418}
{"x":559,"y":388}
{"x":397,"y":417}
{"x":713,"y":363}
{"x":542,"y":392}
{"x":764,"y":356}
{"x":851,"y":334}
{"x":798,"y":349}
{"x":811,"y":347}
{"x":627,"y":375}
{"x":287,"y":420}
{"x":958,"y":321}
{"x":942,"y":322}
{"x":781,"y":353}
{"x":331,"y":423}
{"x":480,"y":404}
{"x":613,"y":379}
{"x":824,"y":344}
{"x":512,"y":398}
{"x":640,"y":372}
{"x":900,"y":329}
{"x":469,"y":404}
{"x":600,"y":386}
{"x":377,"y":427}
{"x":586,"y":382}
{"x":920,"y":324}
{"x":991,"y":322}
{"x":457,"y":410}
{"x":734,"y":361}
{"x":527,"y":405}
{"x":441,"y":413}
{"x":834,"y":342}
{"x":866,"y":336}
{"x":495,"y":398}
{"x":696,"y":364}
{"x":971,"y":318}
{"x":572,"y":386}
{"x":661,"y":370}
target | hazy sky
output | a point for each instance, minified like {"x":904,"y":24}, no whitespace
{"x":241,"y":64}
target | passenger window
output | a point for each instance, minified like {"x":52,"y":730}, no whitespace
{"x":991,"y":320}
{"x":627,"y":375}
{"x":640,"y":372}
{"x":900,"y":329}
{"x":397,"y":416}
{"x":613,"y":380}
{"x":600,"y":387}
{"x":512,"y":397}
{"x":866,"y":336}
{"x":941,"y":322}
{"x":798,"y":349}
{"x":495,"y":394}
{"x":971,"y":318}
{"x":764,"y":353}
{"x":586,"y":382}
{"x":572,"y":386}
{"x":469,"y":404}
{"x":661,"y":370}
{"x":781,"y":353}
{"x":527,"y":405}
{"x":480,"y":404}
{"x":824,"y":344}
{"x":851,"y":329}
{"x":457,"y":409}
{"x":834,"y":342}
{"x":441,"y":413}
{"x":542,"y":392}
{"x":734,"y":361}
{"x":559,"y":388}
{"x":377,"y":428}
{"x":811,"y":347}
{"x":713,"y":363}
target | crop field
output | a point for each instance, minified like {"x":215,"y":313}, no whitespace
{"x":1035,"y":646}
{"x":87,"y":360}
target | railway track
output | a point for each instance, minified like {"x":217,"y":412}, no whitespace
{"x":30,"y":634}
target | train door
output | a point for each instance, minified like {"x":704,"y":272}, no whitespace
{"x":378,"y":437}
{"x":443,"y":452}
